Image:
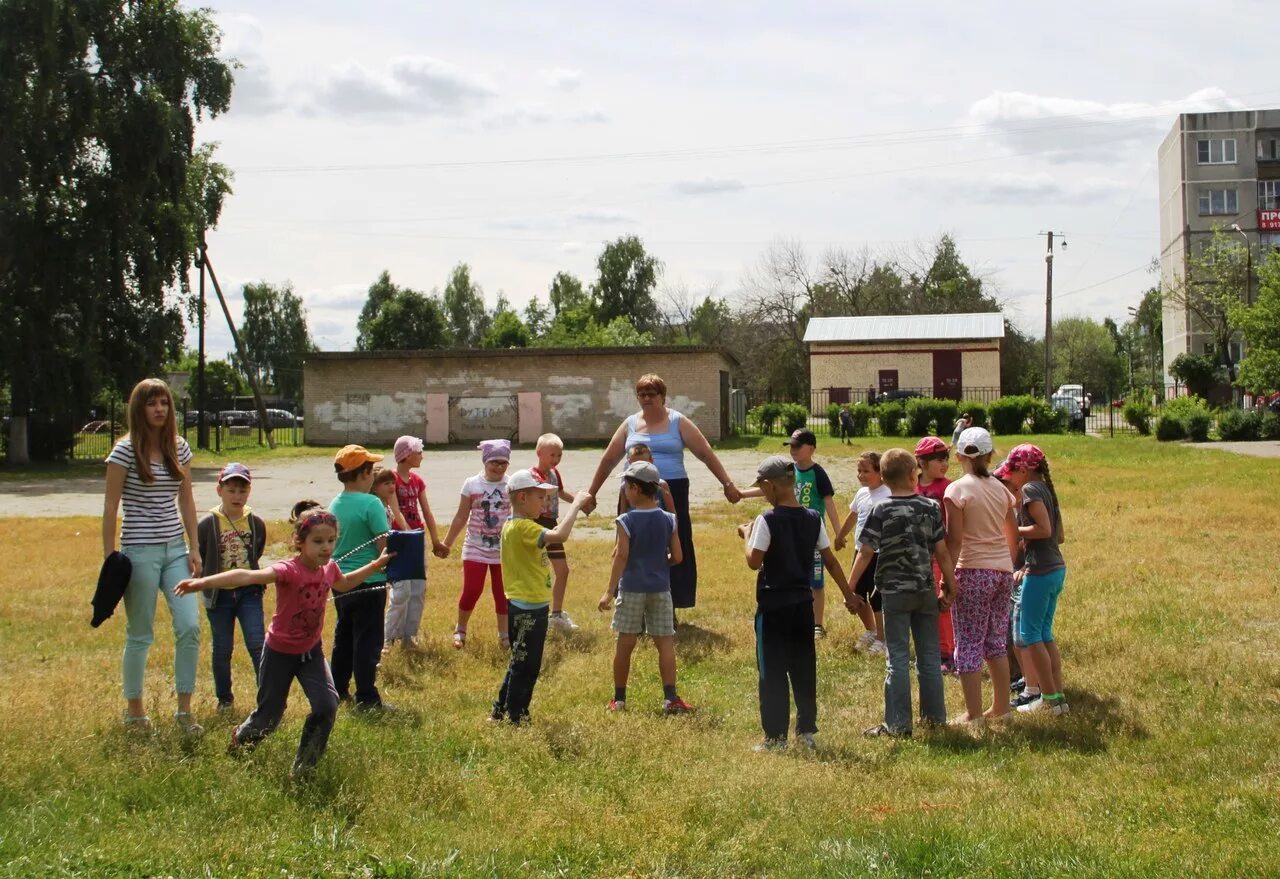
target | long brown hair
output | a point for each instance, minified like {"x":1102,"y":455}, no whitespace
{"x":143,"y":439}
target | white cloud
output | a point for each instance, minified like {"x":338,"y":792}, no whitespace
{"x":409,"y":85}
{"x":591,"y":117}
{"x":561,"y":221}
{"x":1075,"y":130}
{"x":255,"y":91}
{"x":1027,"y":190}
{"x":572,"y":247}
{"x":602,"y":216}
{"x":562,"y":78}
{"x":708,"y":186}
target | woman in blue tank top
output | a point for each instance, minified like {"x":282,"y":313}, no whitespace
{"x":667,"y":433}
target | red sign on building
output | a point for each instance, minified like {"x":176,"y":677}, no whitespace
{"x":1269,"y":221}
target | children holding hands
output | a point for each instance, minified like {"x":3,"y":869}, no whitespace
{"x":646,"y":546}
{"x":550,"y":449}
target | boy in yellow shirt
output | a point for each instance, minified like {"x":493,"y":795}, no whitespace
{"x":526,"y":579}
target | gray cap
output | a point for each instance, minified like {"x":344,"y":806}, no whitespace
{"x":643,"y":471}
{"x":774,"y":467}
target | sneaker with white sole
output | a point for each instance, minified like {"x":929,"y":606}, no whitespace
{"x":676,"y":706}
{"x":1060,"y":708}
{"x":769,"y":745}
{"x":616,"y":705}
{"x":561,"y":622}
{"x":864,"y":642}
{"x":878,"y":648}
{"x":819,"y":632}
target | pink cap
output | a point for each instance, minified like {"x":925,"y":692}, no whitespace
{"x":930,"y":445}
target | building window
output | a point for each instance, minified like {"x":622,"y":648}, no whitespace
{"x":1267,"y":242}
{"x":1269,"y":195}
{"x":1216,"y":152}
{"x":1268,"y":148}
{"x":1218,"y":201}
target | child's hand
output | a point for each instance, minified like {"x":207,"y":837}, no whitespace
{"x":841,"y":542}
{"x":949,"y":589}
{"x":744,"y":530}
{"x":589,"y":506}
{"x":732,"y":494}
{"x":606,"y":601}
{"x":581,"y":499}
{"x":195,"y":563}
{"x":441,"y":551}
{"x":1017,"y":577}
{"x":383,"y":560}
{"x":186,"y":587}
{"x":854,"y":602}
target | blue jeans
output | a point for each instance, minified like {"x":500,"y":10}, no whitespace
{"x":230,"y":605}
{"x":157,"y":568}
{"x":912,"y":616}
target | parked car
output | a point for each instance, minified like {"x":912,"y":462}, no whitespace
{"x":237,"y":418}
{"x":277,"y":418}
{"x":1071,"y":405}
{"x":96,"y":427}
{"x":899,"y":396}
{"x":1076,"y":391}
{"x":191,"y":418}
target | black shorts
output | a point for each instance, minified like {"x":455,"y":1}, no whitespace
{"x":865,"y":586}
{"x":554,"y":550}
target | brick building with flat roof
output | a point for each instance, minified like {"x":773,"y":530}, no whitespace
{"x":949,"y":356}
{"x":461,"y":396}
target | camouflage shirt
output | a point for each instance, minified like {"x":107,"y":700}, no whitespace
{"x":903,"y":531}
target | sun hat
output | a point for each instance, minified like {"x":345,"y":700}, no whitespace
{"x":406,"y":446}
{"x":974,"y":442}
{"x":930,"y":445}
{"x":352,"y":457}
{"x":523,"y":479}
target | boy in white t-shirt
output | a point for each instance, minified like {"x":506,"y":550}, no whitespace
{"x":872,"y":490}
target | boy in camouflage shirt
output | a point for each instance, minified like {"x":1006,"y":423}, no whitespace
{"x":905,"y":531}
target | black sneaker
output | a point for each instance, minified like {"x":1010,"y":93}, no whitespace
{"x":1018,"y":685}
{"x":378,"y":707}
{"x":1023,"y":698}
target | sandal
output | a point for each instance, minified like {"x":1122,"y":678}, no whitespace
{"x":139,"y":724}
{"x":459,"y":638}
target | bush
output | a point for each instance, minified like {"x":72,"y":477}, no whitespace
{"x":1269,"y":426}
{"x":976,"y":410}
{"x":764,"y":417}
{"x":1185,"y":406}
{"x":1138,"y":415}
{"x":794,"y":417}
{"x":1009,"y":414}
{"x":1239,"y":425}
{"x":1198,"y":424}
{"x":833,"y":419}
{"x":862,"y":414}
{"x":1171,"y":427}
{"x":1046,"y":419}
{"x":889,"y":417}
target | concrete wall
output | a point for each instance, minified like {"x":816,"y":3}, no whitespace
{"x":580,"y":394}
{"x":857,"y":365}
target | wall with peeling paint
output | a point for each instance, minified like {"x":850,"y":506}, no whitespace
{"x":374,"y":397}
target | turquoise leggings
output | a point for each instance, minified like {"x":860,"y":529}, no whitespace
{"x":1039,"y":605}
{"x":158,"y":568}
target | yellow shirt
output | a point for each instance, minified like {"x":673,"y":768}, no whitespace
{"x":526,"y":575}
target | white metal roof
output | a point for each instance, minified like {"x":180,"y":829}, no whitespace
{"x":904,"y":327}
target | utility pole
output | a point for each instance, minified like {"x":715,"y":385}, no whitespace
{"x":202,"y":425}
{"x":1048,"y":313}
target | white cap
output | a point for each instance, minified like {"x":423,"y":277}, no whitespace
{"x":523,"y":479}
{"x":974,"y":442}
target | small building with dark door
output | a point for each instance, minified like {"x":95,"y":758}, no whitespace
{"x":951,"y":356}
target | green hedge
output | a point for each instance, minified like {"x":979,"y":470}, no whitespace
{"x":764,"y":417}
{"x":977,"y":411}
{"x":925,"y":415}
{"x":1269,"y":426}
{"x":889,"y":417}
{"x":1009,"y":414}
{"x":794,"y":417}
{"x":1171,"y":427}
{"x":1138,"y":415}
{"x":833,"y":419}
{"x":1240,"y":425}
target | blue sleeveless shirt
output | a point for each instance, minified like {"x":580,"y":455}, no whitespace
{"x":666,"y":448}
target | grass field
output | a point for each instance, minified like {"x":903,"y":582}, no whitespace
{"x":1167,"y":766}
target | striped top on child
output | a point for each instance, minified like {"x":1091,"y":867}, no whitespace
{"x":150,"y":514}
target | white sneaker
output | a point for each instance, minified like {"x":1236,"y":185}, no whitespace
{"x":864,"y":642}
{"x":562,"y":623}
{"x":877,"y":648}
{"x":1060,"y":709}
{"x":1034,"y":706}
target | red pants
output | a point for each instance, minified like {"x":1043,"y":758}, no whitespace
{"x":946,"y":633}
{"x":473,"y":584}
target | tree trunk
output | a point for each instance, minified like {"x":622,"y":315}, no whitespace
{"x":18,"y":453}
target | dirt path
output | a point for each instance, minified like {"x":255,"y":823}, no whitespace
{"x":277,"y":485}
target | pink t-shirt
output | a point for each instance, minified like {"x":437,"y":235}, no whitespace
{"x":407,"y":491}
{"x":985,"y":503}
{"x":301,"y":594}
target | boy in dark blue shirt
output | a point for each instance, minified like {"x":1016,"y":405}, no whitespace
{"x":780,"y":545}
{"x":640,"y":585}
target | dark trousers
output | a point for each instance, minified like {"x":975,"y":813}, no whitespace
{"x":684,"y":576}
{"x":358,"y":640}
{"x":275,"y":676}
{"x":527,"y":630}
{"x":242,"y":605}
{"x":788,"y":663}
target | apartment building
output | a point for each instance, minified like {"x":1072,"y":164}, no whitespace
{"x":1216,"y":170}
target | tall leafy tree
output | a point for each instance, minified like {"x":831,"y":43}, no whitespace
{"x":506,"y":330}
{"x":1259,"y":324}
{"x":275,"y":336}
{"x":103,"y":195}
{"x":399,"y":319}
{"x":536,"y":317}
{"x":566,"y":293}
{"x":464,"y":305}
{"x":381,"y":292}
{"x":625,"y":285}
{"x":1214,"y":286}
{"x":1084,"y":352}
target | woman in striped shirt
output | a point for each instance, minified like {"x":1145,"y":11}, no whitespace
{"x":149,"y":469}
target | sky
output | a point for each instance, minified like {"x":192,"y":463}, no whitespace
{"x":519,"y":138}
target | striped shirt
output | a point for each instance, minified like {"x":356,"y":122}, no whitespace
{"x":150,"y":514}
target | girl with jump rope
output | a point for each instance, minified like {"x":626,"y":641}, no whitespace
{"x":483,"y":507}
{"x":294,"y":649}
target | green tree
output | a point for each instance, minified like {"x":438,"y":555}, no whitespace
{"x":464,"y":306}
{"x":1084,"y":353}
{"x":103,"y":194}
{"x":223,"y":381}
{"x":566,"y":293}
{"x":275,"y":337}
{"x":1259,"y":324}
{"x":536,"y":317}
{"x":1144,"y":337}
{"x":506,"y":330}
{"x":1214,"y":286}
{"x":1199,"y":372}
{"x":624,"y":288}
{"x":403,"y":319}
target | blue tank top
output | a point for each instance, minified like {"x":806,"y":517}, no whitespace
{"x":666,"y":448}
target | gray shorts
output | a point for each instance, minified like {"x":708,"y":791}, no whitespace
{"x":648,"y":612}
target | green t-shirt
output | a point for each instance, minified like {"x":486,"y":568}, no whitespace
{"x":361,"y":517}
{"x":813,"y":487}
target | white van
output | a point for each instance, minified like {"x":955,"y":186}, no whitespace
{"x":1076,"y":391}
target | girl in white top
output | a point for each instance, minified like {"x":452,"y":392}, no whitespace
{"x":871,"y":492}
{"x":149,"y":469}
{"x":482,"y":508}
